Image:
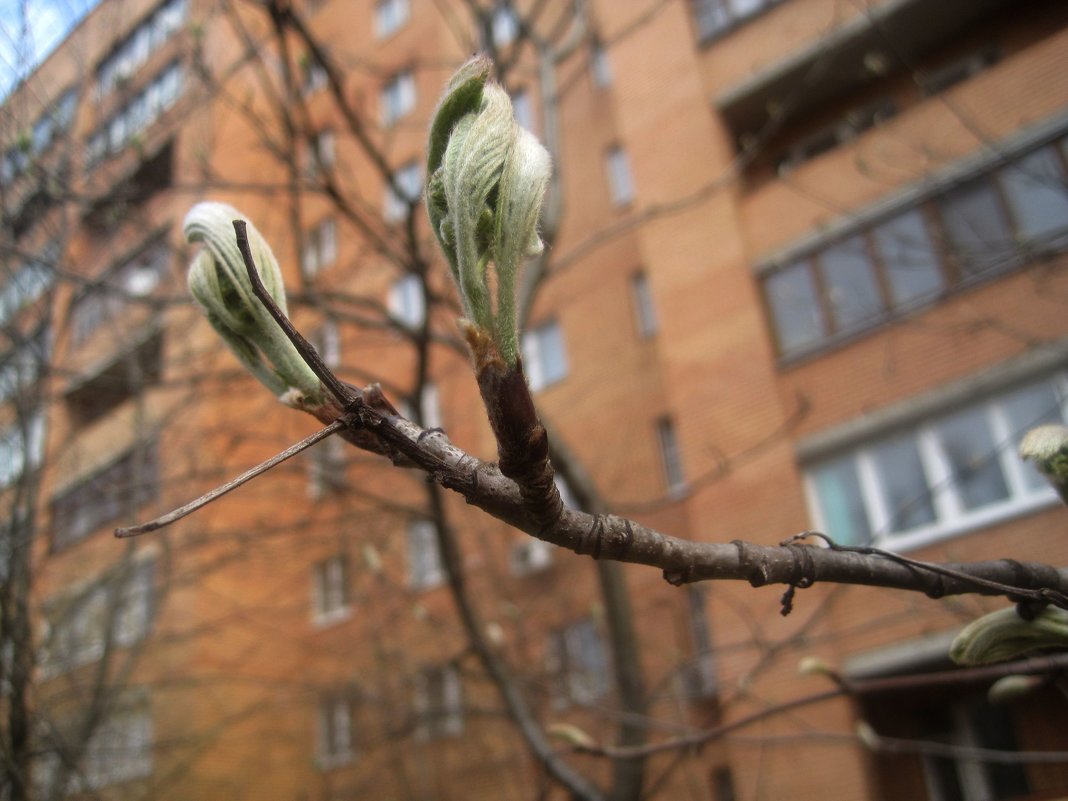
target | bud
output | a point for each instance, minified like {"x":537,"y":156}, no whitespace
{"x":487,"y":178}
{"x":1047,"y":447}
{"x":220,"y":285}
{"x":1004,"y":635}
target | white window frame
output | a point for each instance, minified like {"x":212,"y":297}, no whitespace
{"x":951,"y":517}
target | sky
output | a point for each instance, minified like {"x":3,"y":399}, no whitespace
{"x":30,"y":30}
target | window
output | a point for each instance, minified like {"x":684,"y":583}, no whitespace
{"x":80,"y":627}
{"x":504,"y":25}
{"x":118,"y":489}
{"x":530,"y":555}
{"x":108,"y":300}
{"x":600,"y":66}
{"x":990,"y":223}
{"x":320,"y":153}
{"x":430,"y":405}
{"x":328,"y":344}
{"x":28,"y":283}
{"x":135,"y":605}
{"x":135,"y":49}
{"x":958,"y":70}
{"x":644,"y":310}
{"x":424,"y":556}
{"x":21,"y":366}
{"x":523,"y":109}
{"x":944,"y":475}
{"x":397,"y":98}
{"x":136,"y":115}
{"x":313,"y":74}
{"x":21,"y":448}
{"x":335,"y":730}
{"x":118,"y":381}
{"x":544,"y":357}
{"x":326,"y":470}
{"x":330,"y":590}
{"x":701,"y":680}
{"x":578,"y":662}
{"x":406,"y":301}
{"x":963,"y":719}
{"x":320,"y":247}
{"x":715,"y":16}
{"x":620,"y":181}
{"x":848,"y":126}
{"x":409,"y":182}
{"x":670,"y":455}
{"x":438,"y":703}
{"x":120,"y":749}
{"x":390,"y":15}
{"x":55,"y":120}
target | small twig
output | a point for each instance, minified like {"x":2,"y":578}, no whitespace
{"x":344,"y":395}
{"x":223,"y":489}
{"x":1044,"y":595}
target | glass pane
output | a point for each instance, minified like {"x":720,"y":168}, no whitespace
{"x":551,"y":354}
{"x":849,"y":279}
{"x":908,"y":257}
{"x":1026,"y":408}
{"x":1037,"y":193}
{"x":792,"y":297}
{"x":841,"y":503}
{"x":711,"y":16}
{"x":903,"y":484}
{"x":976,"y":227}
{"x":969,"y":446}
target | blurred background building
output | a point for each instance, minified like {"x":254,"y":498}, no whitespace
{"x":806,"y":269}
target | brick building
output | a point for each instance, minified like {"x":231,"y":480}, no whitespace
{"x":808,"y":271}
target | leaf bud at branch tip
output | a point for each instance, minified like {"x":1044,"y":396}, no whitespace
{"x":221,"y":287}
{"x":487,"y":178}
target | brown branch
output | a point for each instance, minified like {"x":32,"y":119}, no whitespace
{"x":527,"y":500}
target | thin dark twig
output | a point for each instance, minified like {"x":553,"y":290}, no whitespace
{"x":344,"y":394}
{"x":218,"y":492}
{"x":1044,"y":595}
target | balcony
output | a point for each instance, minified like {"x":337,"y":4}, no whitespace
{"x":860,"y":51}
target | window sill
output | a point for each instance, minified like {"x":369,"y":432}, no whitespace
{"x":323,"y":620}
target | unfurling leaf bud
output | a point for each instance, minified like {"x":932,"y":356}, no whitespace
{"x":1004,"y":635}
{"x":487,"y":178}
{"x":220,"y":285}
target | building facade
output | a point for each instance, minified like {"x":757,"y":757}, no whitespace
{"x":805,"y":270}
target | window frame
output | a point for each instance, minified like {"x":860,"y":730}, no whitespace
{"x":331,"y":590}
{"x":437,"y":702}
{"x":425,"y":568}
{"x":949,"y":260}
{"x":537,"y":344}
{"x":952,"y":517}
